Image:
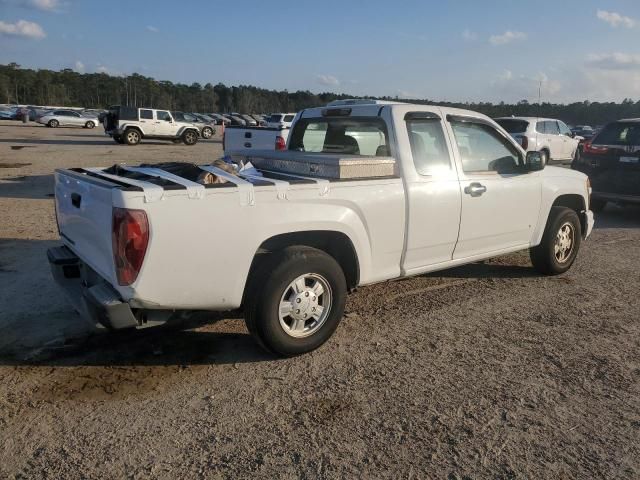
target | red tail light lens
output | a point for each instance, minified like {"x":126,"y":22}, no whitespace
{"x":130,"y":237}
{"x":594,"y":149}
{"x":280,"y":143}
{"x":524,"y":141}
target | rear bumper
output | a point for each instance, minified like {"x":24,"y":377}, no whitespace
{"x":615,"y":197}
{"x":92,"y":297}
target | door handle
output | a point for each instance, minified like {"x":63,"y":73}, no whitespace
{"x":475,"y":189}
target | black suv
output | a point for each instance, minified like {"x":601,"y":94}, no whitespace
{"x":612,"y":162}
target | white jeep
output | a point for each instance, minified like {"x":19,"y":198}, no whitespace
{"x":130,"y":125}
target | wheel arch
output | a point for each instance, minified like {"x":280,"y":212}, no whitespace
{"x":133,"y":127}
{"x":575,"y":202}
{"x":335,"y":244}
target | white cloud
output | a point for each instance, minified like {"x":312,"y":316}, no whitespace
{"x":327,"y":80}
{"x":512,"y":88}
{"x":614,"y":61}
{"x":507,"y":37}
{"x":616,"y":20}
{"x":469,"y":35}
{"x":22,"y":28}
{"x":79,"y":66}
{"x":103,"y":69}
{"x":153,"y":29}
{"x":45,"y":5}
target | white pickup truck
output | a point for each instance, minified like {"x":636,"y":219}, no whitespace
{"x":287,"y":248}
{"x":250,"y":139}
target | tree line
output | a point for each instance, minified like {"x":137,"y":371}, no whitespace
{"x":99,"y":90}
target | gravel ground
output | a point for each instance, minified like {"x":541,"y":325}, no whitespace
{"x":485,"y":371}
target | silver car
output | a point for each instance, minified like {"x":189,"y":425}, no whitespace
{"x":68,"y":118}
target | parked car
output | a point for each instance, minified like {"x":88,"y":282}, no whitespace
{"x":206,"y":128}
{"x":8,"y":114}
{"x":220,"y":119}
{"x":67,"y":118}
{"x":249,"y":121}
{"x":612,"y":161}
{"x":551,"y":137}
{"x":236,"y":121}
{"x":130,"y":125}
{"x":280,"y":120}
{"x":584,"y":131}
{"x":137,"y":251}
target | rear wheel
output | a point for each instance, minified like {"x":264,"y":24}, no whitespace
{"x":190,"y":137}
{"x":295,"y":301}
{"x":89,"y":125}
{"x":53,"y":123}
{"x":207,"y":132}
{"x":544,"y":157}
{"x":132,"y":136}
{"x":560,"y":242}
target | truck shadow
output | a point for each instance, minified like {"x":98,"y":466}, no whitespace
{"x":614,"y":216}
{"x":38,"y":326}
{"x":43,"y":141}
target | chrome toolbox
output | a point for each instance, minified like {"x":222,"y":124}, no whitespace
{"x":321,"y":165}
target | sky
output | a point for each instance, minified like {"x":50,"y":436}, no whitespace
{"x":456,"y":50}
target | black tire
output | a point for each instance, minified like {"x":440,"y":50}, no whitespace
{"x":545,"y":157}
{"x":190,"y":137}
{"x":89,"y":124}
{"x":53,"y":123}
{"x":132,"y":136}
{"x":271,"y":280}
{"x":597,"y":205}
{"x":544,"y":257}
{"x":576,"y":158}
{"x":207,"y":132}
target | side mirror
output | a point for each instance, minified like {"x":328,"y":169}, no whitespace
{"x":534,"y":162}
{"x":168,"y":119}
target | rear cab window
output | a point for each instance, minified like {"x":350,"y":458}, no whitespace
{"x":513,"y":125}
{"x":146,"y":114}
{"x":364,"y":136}
{"x":619,"y":134}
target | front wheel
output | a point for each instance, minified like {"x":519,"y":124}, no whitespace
{"x":295,"y":300}
{"x":560,"y":242}
{"x":89,"y":125}
{"x":544,"y":157}
{"x":53,"y":123}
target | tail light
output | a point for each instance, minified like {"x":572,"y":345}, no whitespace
{"x":524,"y":141}
{"x":130,"y":237}
{"x":594,"y":149}
{"x":280,"y":143}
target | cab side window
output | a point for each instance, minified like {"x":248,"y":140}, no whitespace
{"x":564,"y":130}
{"x":162,"y":115}
{"x":541,"y":127}
{"x":483,"y":149}
{"x":428,"y":146}
{"x":146,"y":114}
{"x":552,"y":128}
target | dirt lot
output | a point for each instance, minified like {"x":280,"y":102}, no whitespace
{"x":486,"y":371}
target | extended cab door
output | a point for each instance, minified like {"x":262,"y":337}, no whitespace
{"x":500,"y":201}
{"x":147,"y":122}
{"x":432,"y":190}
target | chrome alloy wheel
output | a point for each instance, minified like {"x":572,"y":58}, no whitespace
{"x":305,"y":305}
{"x":565,"y":240}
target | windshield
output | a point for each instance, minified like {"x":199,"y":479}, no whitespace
{"x":619,"y":133}
{"x":513,"y":125}
{"x":352,"y":136}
